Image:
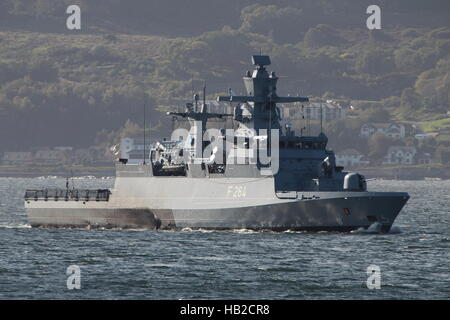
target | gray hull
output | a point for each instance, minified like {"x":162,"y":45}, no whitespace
{"x":235,"y":203}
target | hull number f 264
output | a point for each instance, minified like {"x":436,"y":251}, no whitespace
{"x":236,"y":191}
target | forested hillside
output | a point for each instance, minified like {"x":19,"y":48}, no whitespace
{"x":61,"y":87}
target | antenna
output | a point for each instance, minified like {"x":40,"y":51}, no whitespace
{"x":304,"y":120}
{"x":204,"y":94}
{"x":196,"y":97}
{"x":67,"y":184}
{"x":321,"y":116}
{"x":173,"y":123}
{"x":73,"y":184}
{"x":144,"y":132}
{"x":192,"y":88}
{"x":269,"y":134}
{"x":308,"y":120}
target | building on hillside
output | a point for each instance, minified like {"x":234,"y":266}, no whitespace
{"x":51,"y":156}
{"x":330,"y":111}
{"x":423,"y":136}
{"x":400,"y":155}
{"x":393,"y":130}
{"x":83,"y":156}
{"x":92,"y":155}
{"x":213,"y":106}
{"x":63,"y":148}
{"x":350,"y":158}
{"x":425,"y":158}
{"x":20,"y":157}
{"x":132,"y":148}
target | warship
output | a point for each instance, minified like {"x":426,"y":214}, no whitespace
{"x":260,"y":176}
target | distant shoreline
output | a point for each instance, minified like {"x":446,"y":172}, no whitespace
{"x":406,"y":173}
{"x":391,"y":173}
{"x":58,"y":171}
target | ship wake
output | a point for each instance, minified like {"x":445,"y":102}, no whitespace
{"x":376,"y":228}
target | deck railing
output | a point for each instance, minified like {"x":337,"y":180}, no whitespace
{"x":67,"y":195}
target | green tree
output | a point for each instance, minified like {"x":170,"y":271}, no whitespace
{"x":322,"y":35}
{"x":410,"y":59}
{"x":410,"y":100}
{"x":43,"y":70}
{"x":374,"y":61}
{"x":427,"y":145}
{"x":281,"y":24}
{"x":433,"y":87}
{"x":443,"y":155}
{"x":377,"y":115}
{"x":378,"y":145}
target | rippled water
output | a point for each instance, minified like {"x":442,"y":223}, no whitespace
{"x":124,"y":264}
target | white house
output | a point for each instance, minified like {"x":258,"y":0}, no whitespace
{"x":63,"y":148}
{"x":82,"y":156}
{"x":393,"y":130}
{"x":330,"y":111}
{"x":350,"y":158}
{"x":400,"y":155}
{"x":425,"y":158}
{"x":10,"y":157}
{"x":133,"y":149}
{"x":423,"y":136}
{"x":51,"y":156}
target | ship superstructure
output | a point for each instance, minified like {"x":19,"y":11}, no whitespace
{"x":259,"y":176}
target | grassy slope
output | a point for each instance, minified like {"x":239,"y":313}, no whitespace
{"x":23,"y":46}
{"x":430,"y":126}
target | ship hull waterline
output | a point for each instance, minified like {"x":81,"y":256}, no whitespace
{"x":327,"y":211}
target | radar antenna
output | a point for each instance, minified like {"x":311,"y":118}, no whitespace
{"x":144,"y":132}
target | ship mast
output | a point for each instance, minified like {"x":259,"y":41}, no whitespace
{"x":261,"y":96}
